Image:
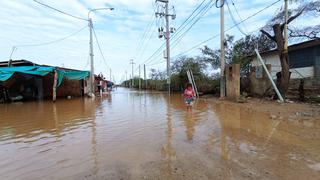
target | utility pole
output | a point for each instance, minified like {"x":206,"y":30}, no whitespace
{"x":222,"y":59}
{"x":139,"y":78}
{"x":168,"y":46}
{"x":286,"y":26}
{"x":91,"y":59}
{"x":91,"y":48}
{"x":132,"y":79}
{"x":110,"y":74}
{"x":145,"y":76}
{"x":169,"y":30}
{"x":125,"y":84}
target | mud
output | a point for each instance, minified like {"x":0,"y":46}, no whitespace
{"x":132,"y":135}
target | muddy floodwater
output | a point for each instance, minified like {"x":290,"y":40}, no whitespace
{"x":132,"y":135}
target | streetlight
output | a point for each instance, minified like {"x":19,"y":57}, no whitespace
{"x":91,"y":48}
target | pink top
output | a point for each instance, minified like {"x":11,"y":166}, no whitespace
{"x":189,"y":93}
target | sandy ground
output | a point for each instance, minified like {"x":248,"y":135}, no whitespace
{"x":282,"y":111}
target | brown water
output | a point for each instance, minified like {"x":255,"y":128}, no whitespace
{"x":132,"y":135}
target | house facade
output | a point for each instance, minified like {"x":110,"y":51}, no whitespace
{"x":304,"y":60}
{"x":22,"y":80}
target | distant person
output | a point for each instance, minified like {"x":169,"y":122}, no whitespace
{"x":109,"y":85}
{"x":189,"y":95}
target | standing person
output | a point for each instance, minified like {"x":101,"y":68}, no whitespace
{"x":189,"y":95}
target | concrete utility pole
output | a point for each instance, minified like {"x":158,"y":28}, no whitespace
{"x":168,"y":46}
{"x":125,"y":84}
{"x":91,"y":59}
{"x":132,"y":77}
{"x":167,"y":37}
{"x":91,"y":49}
{"x":222,"y":59}
{"x":285,"y":31}
{"x":110,"y":74}
{"x":145,"y":76}
{"x":139,"y":78}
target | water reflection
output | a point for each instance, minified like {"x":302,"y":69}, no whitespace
{"x":133,"y":135}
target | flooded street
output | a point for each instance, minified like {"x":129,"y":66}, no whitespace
{"x":132,"y":135}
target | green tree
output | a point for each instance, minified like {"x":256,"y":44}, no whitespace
{"x":274,"y":31}
{"x":212,"y":56}
{"x":244,"y":48}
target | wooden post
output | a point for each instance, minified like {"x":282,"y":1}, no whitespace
{"x":54,"y":92}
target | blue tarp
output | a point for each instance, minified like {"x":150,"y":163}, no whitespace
{"x":72,"y":75}
{"x":7,"y":72}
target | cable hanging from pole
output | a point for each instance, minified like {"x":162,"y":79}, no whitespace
{"x":15,"y":48}
{"x":99,"y":47}
{"x":182,"y":26}
{"x":235,"y":21}
{"x":62,"y":12}
{"x":217,"y":35}
{"x":54,"y":41}
{"x":195,"y":19}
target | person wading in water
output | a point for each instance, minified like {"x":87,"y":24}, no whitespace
{"x":189,"y":95}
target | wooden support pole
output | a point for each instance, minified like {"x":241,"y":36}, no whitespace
{"x":54,"y":89}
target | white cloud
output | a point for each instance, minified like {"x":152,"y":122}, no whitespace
{"x":119,"y":31}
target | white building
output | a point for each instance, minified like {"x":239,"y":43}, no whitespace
{"x":304,"y":60}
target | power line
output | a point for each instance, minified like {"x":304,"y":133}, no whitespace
{"x":147,"y":37}
{"x":148,"y":28}
{"x":182,"y":26}
{"x":234,"y":6}
{"x":235,"y":21}
{"x":217,"y":35}
{"x":52,"y":42}
{"x":205,"y":10}
{"x":59,"y":10}
{"x":178,"y":30}
{"x":99,"y":47}
{"x":185,"y":22}
{"x":197,"y":17}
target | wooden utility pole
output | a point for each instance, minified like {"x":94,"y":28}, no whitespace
{"x":222,"y":59}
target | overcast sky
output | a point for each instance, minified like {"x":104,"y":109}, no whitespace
{"x":120,"y":32}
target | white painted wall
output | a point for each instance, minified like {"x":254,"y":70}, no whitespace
{"x":274,"y":60}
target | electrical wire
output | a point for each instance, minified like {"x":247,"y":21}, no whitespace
{"x":197,"y":17}
{"x":186,"y":20}
{"x":52,"y":42}
{"x":234,"y":20}
{"x":236,"y":9}
{"x":145,"y":35}
{"x":87,"y":64}
{"x":217,"y":35}
{"x":181,"y":27}
{"x":62,"y":12}
{"x":15,"y":48}
{"x":99,"y":47}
